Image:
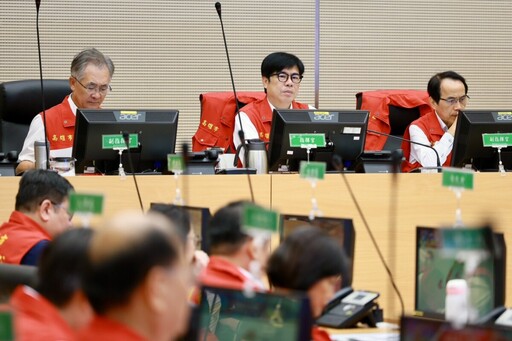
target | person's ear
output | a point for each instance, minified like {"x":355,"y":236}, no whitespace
{"x":155,"y":289}
{"x":44,"y":210}
{"x":433,"y":103}
{"x":265,"y":81}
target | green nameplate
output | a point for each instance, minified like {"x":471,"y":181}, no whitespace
{"x":312,"y":170}
{"x":175,"y":163}
{"x":6,"y":327}
{"x":307,"y":140}
{"x":458,"y":178}
{"x":86,"y":203}
{"x":117,"y":141}
{"x":497,"y":140}
{"x":259,"y":218}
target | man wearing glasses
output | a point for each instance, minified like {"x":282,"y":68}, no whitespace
{"x":40,"y":214}
{"x":281,"y":74}
{"x":91,"y":73}
{"x":448,"y":93}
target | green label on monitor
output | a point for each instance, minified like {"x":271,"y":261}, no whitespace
{"x":307,"y":140}
{"x":312,"y":170}
{"x":458,"y":178}
{"x":6,"y":327}
{"x":175,"y":163}
{"x":117,"y":141}
{"x":497,"y":140}
{"x":86,"y":203}
{"x":255,"y":217}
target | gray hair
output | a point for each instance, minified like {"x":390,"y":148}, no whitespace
{"x":90,"y":56}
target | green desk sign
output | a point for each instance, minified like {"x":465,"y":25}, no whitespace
{"x":312,"y":170}
{"x":307,"y":140}
{"x":497,"y":140}
{"x":458,"y":178}
{"x":259,"y":218}
{"x":116,"y":141}
{"x":6,"y":326}
{"x":175,"y":163}
{"x":86,"y":203}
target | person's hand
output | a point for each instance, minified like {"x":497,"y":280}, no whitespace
{"x":200,"y":261}
{"x":452,"y":128}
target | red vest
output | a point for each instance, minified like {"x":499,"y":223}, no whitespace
{"x":430,"y":126}
{"x":18,"y":236}
{"x":35,"y":318}
{"x":318,"y":334}
{"x":60,"y":125}
{"x":377,"y":103}
{"x":104,"y":329}
{"x":260,"y":114}
{"x":218,"y":110}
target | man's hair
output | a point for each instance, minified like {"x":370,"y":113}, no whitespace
{"x":178,"y":216}
{"x":277,"y":61}
{"x":225,"y":230}
{"x":111,"y":278}
{"x":90,"y":56}
{"x":434,"y":84}
{"x":37,"y":185}
{"x":62,"y":265}
{"x":306,"y":256}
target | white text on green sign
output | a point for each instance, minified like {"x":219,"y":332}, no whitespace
{"x":175,"y":163}
{"x":307,"y":140}
{"x":255,"y":217}
{"x":497,"y":140}
{"x":312,"y":170}
{"x":117,"y":141}
{"x":86,"y":203}
{"x":458,"y":178}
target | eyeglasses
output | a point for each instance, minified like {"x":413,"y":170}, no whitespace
{"x":452,"y":100}
{"x":92,"y":88}
{"x":283,"y":77}
{"x":69,"y":213}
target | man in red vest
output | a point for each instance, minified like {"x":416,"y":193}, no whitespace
{"x":91,"y":73}
{"x":41,"y":213}
{"x":448,"y":93}
{"x":281,"y":74}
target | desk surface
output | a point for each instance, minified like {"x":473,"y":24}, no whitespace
{"x":419,"y":199}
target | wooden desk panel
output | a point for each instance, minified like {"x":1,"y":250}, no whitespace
{"x":421,"y":200}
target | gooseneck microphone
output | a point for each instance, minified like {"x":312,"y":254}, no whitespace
{"x":126,"y":138}
{"x":241,"y":131}
{"x":338,"y":165}
{"x":47,"y":147}
{"x":410,"y":141}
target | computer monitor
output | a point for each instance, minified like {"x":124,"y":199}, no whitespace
{"x":156,"y":130}
{"x":342,"y":229}
{"x":468,"y":146}
{"x":439,"y":259}
{"x":344,"y":131}
{"x":226,"y":314}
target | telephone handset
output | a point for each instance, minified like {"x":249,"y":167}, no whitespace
{"x":348,"y":307}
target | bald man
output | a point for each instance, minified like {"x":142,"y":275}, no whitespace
{"x":137,"y":281}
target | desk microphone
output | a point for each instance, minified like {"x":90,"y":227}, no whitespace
{"x":241,"y":131}
{"x":126,"y":138}
{"x":47,"y":147}
{"x":410,"y":141}
{"x":338,"y":165}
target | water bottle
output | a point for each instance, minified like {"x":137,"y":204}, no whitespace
{"x":257,"y":157}
{"x":457,"y":302}
{"x":40,"y":154}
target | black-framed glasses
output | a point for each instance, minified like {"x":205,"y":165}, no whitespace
{"x":283,"y":77}
{"x":92,"y":88}
{"x":68,"y":212}
{"x":453,"y":100}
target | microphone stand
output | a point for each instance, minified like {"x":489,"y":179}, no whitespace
{"x":241,"y":134}
{"x":410,"y":141}
{"x":46,"y":144}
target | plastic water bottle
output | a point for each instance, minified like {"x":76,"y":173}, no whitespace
{"x":457,"y":302}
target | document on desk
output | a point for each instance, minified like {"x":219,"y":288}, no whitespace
{"x":366,"y":337}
